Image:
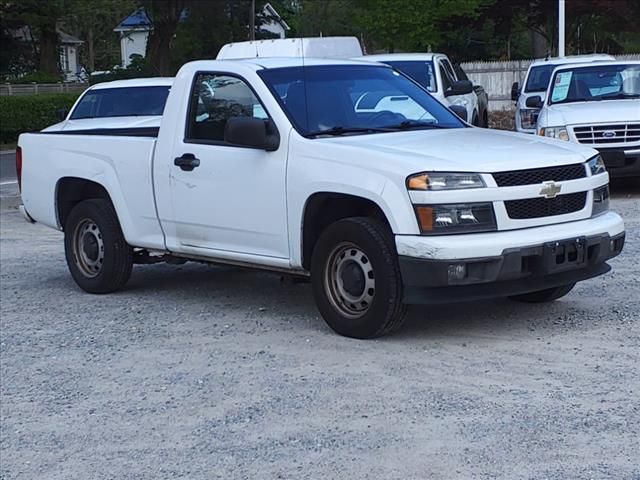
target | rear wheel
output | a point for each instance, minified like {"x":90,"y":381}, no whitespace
{"x":99,"y":258}
{"x":543,"y":296}
{"x":356,"y":278}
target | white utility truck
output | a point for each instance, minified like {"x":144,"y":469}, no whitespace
{"x":119,"y":104}
{"x":596,"y":104}
{"x":266,"y":163}
{"x":536,"y":82}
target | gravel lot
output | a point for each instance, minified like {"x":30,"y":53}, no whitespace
{"x":200,"y":372}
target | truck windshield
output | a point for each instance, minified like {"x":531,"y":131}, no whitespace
{"x":121,"y":102}
{"x":538,"y":79}
{"x":354,"y":99}
{"x":596,"y":83}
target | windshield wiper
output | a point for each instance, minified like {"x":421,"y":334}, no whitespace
{"x":620,"y":95}
{"x":339,"y":130}
{"x":409,"y":124}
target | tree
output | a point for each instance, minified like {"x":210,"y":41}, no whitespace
{"x":165,"y":15}
{"x":41,"y":19}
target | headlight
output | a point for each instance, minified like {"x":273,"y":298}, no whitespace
{"x":444,"y":181}
{"x":596,"y":165}
{"x":529,"y":117}
{"x":559,"y":133}
{"x":600,"y":201}
{"x":456,"y":218}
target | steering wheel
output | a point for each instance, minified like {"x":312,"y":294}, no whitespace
{"x":386,"y":117}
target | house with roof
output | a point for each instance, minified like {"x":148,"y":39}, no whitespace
{"x":272,"y":23}
{"x":134,"y":33}
{"x":135,"y":29}
{"x":68,"y":61}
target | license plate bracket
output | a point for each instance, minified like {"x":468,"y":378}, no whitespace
{"x":565,"y":254}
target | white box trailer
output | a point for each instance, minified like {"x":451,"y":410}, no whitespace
{"x":315,"y":47}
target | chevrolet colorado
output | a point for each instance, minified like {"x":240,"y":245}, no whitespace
{"x":266,"y":163}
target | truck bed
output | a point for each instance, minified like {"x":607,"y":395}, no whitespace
{"x":120,"y":160}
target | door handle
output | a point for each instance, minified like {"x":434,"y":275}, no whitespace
{"x":187,"y":162}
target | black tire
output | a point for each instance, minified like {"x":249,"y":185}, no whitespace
{"x":475,"y":122}
{"x":544,"y":296}
{"x":374,"y":268}
{"x":98,"y":257}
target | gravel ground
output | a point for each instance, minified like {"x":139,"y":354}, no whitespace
{"x":199,"y":372}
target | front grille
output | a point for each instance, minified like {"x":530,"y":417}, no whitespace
{"x":545,"y":207}
{"x":608,"y":133}
{"x":539,"y":175}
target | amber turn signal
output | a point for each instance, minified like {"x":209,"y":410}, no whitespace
{"x":425,"y":218}
{"x":418,"y":182}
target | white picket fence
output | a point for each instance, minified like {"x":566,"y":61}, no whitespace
{"x":498,"y":77}
{"x":40,"y":88}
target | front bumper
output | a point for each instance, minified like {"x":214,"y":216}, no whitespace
{"x":517,"y":262}
{"x":621,"y":162}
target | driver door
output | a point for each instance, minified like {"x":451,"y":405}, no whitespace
{"x":225,"y":198}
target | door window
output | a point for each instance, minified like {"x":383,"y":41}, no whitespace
{"x":446,"y":79}
{"x":216,"y":98}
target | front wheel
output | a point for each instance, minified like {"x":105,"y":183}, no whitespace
{"x":356,"y":278}
{"x":544,"y":296}
{"x":98,"y":257}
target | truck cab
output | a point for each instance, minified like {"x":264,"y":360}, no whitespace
{"x":596,"y":104}
{"x":536,"y":82}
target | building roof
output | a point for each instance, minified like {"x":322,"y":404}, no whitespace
{"x":65,"y":38}
{"x":138,"y":20}
{"x":271,"y":13}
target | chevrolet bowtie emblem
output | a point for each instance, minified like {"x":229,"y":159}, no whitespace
{"x":550,"y":189}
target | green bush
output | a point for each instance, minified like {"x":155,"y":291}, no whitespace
{"x":38,"y":77}
{"x":26,"y":113}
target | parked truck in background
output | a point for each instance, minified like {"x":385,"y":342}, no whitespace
{"x":119,"y":104}
{"x":536,"y":82}
{"x":596,"y":104}
{"x":435,"y":72}
{"x":267,"y":163}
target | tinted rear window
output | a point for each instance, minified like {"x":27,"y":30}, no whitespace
{"x":122,"y":102}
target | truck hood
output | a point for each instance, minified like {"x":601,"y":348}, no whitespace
{"x":106,"y":122}
{"x":461,"y":150}
{"x":587,"y":113}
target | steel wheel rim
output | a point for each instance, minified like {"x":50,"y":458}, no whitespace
{"x":88,"y":248}
{"x":349,"y":280}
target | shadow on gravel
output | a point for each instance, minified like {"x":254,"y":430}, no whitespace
{"x":251,"y":291}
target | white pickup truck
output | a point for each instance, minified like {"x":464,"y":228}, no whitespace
{"x":596,"y":104}
{"x":128,"y":103}
{"x":266,"y":163}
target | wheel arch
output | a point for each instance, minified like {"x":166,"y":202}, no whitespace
{"x":70,"y":191}
{"x":324,"y":208}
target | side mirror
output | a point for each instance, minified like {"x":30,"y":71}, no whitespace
{"x":459,"y":110}
{"x":515,"y":91}
{"x":61,"y":114}
{"x":534,"y":102}
{"x":252,"y":133}
{"x":461,"y":87}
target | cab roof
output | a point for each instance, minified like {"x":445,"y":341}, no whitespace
{"x":403,"y":57}
{"x":594,"y":57}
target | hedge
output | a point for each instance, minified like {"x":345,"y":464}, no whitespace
{"x":26,"y":113}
